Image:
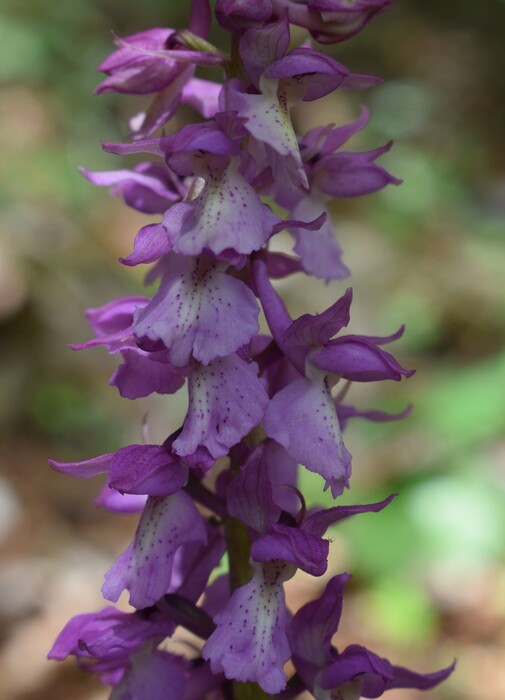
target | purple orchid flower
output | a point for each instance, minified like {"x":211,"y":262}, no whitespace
{"x":155,"y":61}
{"x":121,"y":647}
{"x":148,"y":188}
{"x":141,"y":373}
{"x":281,"y":80}
{"x":216,"y":390}
{"x":227,"y":215}
{"x":252,"y":625}
{"x":222,"y":214}
{"x":330,"y":21}
{"x":227,"y":399}
{"x":104,"y":641}
{"x":199,"y":312}
{"x":156,"y":674}
{"x":150,"y":61}
{"x":145,"y":568}
{"x":236,"y":15}
{"x":354,"y":672}
{"x":330,"y":174}
{"x":250,"y":641}
{"x":278,"y":535}
{"x":305,"y":406}
{"x":169,"y":519}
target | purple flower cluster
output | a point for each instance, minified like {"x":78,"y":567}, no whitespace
{"x":264,"y":403}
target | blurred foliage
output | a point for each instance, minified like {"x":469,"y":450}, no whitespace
{"x":430,"y":253}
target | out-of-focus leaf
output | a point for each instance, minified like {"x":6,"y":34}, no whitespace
{"x":61,"y":410}
{"x":460,"y":517}
{"x":400,"y":109}
{"x":400,"y":610}
{"x":380,"y":542}
{"x":428,"y":183}
{"x":423,"y":324}
{"x":466,"y":405}
{"x":22,"y":51}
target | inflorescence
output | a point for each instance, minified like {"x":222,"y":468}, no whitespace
{"x":259,"y":405}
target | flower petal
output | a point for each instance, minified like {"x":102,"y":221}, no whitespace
{"x":226,"y":401}
{"x":405,"y":678}
{"x":133,"y":69}
{"x":145,"y":568}
{"x":147,"y":470}
{"x":199,"y":311}
{"x":268,"y":120}
{"x":151,"y":243}
{"x":109,"y":634}
{"x":273,"y":305}
{"x":156,"y":675}
{"x":146,"y":188}
{"x":324,"y":140}
{"x":320,"y":252}
{"x":357,"y":662}
{"x":227,"y":216}
{"x":314,"y":330}
{"x":194,"y":564}
{"x":309,"y":72}
{"x":85,"y":469}
{"x":352,"y":174}
{"x":116,"y":502}
{"x":202,"y":95}
{"x":250,"y":643}
{"x":280,"y":265}
{"x":283,"y":476}
{"x":345,"y":412}
{"x":142,"y":374}
{"x":164,"y":105}
{"x":260,"y":47}
{"x":317,"y":523}
{"x":302,"y":549}
{"x":359,"y":360}
{"x":375,"y":674}
{"x":312,"y":628}
{"x":249,"y":495}
{"x":115,"y":317}
{"x":302,"y":418}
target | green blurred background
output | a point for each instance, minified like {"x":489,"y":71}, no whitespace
{"x":429,"y":572}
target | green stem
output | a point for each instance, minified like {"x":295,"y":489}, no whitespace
{"x":238,"y":543}
{"x":248,"y":691}
{"x":239,"y":546}
{"x":235,"y":65}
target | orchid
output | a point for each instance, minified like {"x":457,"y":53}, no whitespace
{"x":259,"y":405}
{"x":356,"y":671}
